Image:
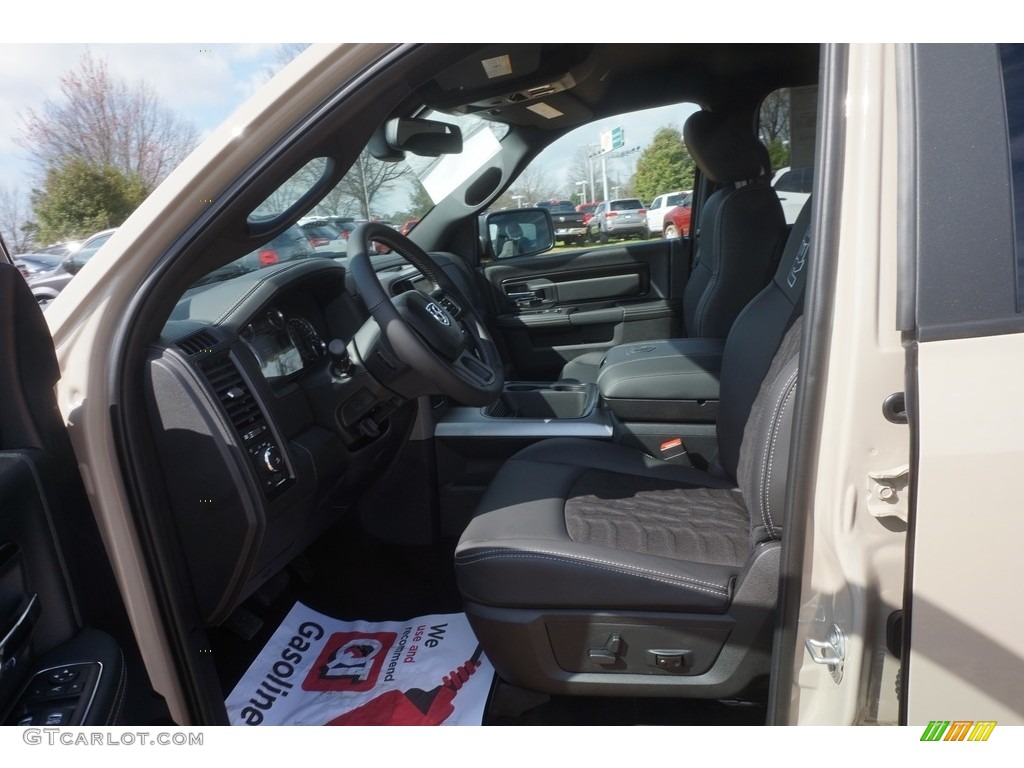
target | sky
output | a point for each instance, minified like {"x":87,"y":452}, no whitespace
{"x":203,"y":83}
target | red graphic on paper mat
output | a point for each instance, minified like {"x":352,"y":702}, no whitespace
{"x":415,"y":706}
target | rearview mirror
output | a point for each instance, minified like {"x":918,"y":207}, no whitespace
{"x":519,"y":232}
{"x":428,"y":138}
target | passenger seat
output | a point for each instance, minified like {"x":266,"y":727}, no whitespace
{"x":739,"y":238}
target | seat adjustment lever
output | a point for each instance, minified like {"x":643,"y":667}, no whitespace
{"x":609,"y":654}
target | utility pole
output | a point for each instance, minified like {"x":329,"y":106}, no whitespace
{"x":590,"y":166}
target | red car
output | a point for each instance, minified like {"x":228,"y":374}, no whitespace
{"x":587,"y":209}
{"x":677,"y":220}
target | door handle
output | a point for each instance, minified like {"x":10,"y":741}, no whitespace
{"x":525,"y":298}
{"x":15,"y":638}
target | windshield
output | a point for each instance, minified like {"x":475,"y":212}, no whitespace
{"x":398,"y":194}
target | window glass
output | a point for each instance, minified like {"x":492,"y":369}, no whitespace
{"x":787,"y":125}
{"x":626,"y":205}
{"x":1012,"y":60}
{"x":652,"y":163}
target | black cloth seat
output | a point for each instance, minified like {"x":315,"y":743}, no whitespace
{"x":738,"y":238}
{"x":572,"y":530}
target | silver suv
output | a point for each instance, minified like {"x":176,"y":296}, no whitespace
{"x":625,"y":217}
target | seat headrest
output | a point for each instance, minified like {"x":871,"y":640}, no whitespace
{"x":725,"y":151}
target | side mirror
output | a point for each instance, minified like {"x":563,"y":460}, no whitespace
{"x":71,"y":266}
{"x":519,"y":232}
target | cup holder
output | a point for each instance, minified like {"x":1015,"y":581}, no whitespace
{"x":544,"y":400}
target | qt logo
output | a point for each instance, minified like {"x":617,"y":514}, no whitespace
{"x":350,"y":661}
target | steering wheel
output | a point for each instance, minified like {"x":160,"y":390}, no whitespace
{"x":441,"y":345}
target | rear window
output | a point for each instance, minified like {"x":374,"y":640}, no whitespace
{"x":797,"y":180}
{"x":321,"y":230}
{"x":626,"y":205}
{"x":673,"y":200}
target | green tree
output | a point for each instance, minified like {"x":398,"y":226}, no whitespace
{"x":664,"y":166}
{"x":80,"y":198}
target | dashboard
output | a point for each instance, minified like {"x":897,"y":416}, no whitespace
{"x":267,"y":423}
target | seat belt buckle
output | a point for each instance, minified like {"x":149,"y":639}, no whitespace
{"x":673,"y":449}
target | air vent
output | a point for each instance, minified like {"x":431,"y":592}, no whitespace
{"x":234,"y":395}
{"x":201,"y":341}
{"x":450,"y":306}
{"x":268,"y":460}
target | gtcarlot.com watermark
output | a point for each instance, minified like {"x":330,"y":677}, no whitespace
{"x":61,"y":737}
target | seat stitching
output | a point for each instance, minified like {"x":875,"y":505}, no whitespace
{"x":601,"y":564}
{"x":769,"y":447}
{"x":689,"y":356}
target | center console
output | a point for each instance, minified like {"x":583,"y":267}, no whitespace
{"x":658,"y":396}
{"x":532,"y":410}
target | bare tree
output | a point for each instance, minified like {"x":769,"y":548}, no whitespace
{"x":107,"y":122}
{"x":583,"y":169}
{"x":774,"y":117}
{"x":283,"y":57}
{"x":368,"y":178}
{"x":15,"y":220}
{"x":530,"y":187}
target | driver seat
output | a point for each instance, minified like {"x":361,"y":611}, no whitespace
{"x":593,"y":568}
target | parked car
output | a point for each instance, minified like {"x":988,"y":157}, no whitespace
{"x":793,"y":186}
{"x":570,"y":227}
{"x":408,"y":224}
{"x":750,"y":531}
{"x":660,"y":206}
{"x":32,"y":263}
{"x":47,"y":285}
{"x":587,"y":209}
{"x":324,"y":236}
{"x":676,"y":222}
{"x":625,"y":217}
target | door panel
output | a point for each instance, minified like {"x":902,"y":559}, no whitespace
{"x":554,"y":307}
{"x":62,"y":626}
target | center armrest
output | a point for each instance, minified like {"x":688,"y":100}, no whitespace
{"x":667,"y":379}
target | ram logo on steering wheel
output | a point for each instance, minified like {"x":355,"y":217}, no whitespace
{"x":438,"y":314}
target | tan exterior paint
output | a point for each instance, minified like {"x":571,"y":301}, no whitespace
{"x":854,"y":565}
{"x":967,"y":638}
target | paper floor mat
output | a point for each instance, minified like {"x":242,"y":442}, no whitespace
{"x":317,"y":670}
